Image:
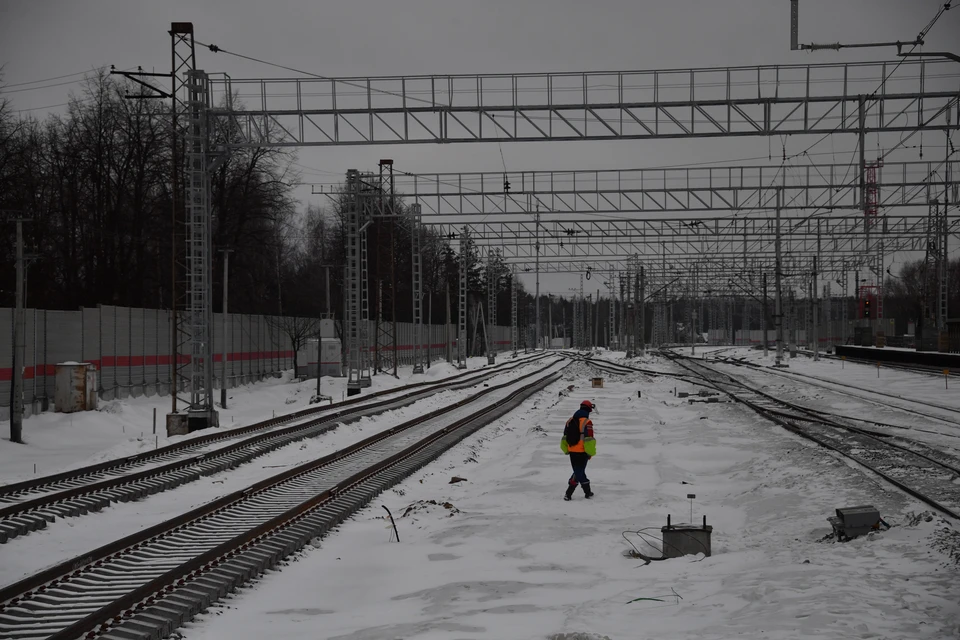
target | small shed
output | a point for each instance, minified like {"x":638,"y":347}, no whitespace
{"x":75,"y":387}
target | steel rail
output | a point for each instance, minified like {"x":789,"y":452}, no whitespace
{"x":16,"y":487}
{"x":186,"y":581}
{"x":785,"y":422}
{"x":823,"y":384}
{"x":21,"y":518}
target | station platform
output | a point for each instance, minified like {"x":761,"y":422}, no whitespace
{"x":902,"y":356}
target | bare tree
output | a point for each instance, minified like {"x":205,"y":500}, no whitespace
{"x":298,"y":329}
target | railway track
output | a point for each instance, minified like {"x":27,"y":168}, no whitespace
{"x":148,"y":584}
{"x":927,"y":474}
{"x":935,"y":372}
{"x":29,"y":506}
{"x":842,"y":388}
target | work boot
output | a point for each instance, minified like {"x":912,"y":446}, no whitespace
{"x":569,"y":494}
{"x":587,"y":493}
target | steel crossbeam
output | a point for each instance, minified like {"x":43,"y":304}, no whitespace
{"x":589,"y":231}
{"x":593,"y":239}
{"x":679,"y":266}
{"x":451,"y":197}
{"x":597,"y":105}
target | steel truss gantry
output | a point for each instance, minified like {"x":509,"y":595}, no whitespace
{"x":745,"y":236}
{"x":453,"y":197}
{"x":896,"y":96}
{"x":722,"y":268}
{"x":598,"y":105}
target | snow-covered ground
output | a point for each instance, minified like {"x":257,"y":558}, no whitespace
{"x":854,"y":389}
{"x":66,"y":538}
{"x":501,"y":556}
{"x":57,"y":442}
{"x":856,"y":375}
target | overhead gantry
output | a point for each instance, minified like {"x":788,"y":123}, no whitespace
{"x":856,"y":98}
{"x":868,"y":97}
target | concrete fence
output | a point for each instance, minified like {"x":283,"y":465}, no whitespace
{"x":131,"y":350}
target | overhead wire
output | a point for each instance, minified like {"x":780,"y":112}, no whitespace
{"x":68,"y":75}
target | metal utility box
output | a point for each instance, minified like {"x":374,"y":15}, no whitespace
{"x":323,"y":354}
{"x":75,"y":387}
{"x":686,"y":539}
{"x":597,"y":383}
{"x":851,"y":522}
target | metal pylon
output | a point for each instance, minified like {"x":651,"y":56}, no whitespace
{"x":588,"y":312}
{"x":491,"y":306}
{"x":638,"y":294}
{"x":622,"y":332}
{"x":198,"y":264}
{"x":365,"y":341}
{"x":729,"y":332}
{"x":514,"y":328}
{"x":357,"y":304}
{"x":462,"y":297}
{"x":478,"y":325}
{"x":417,"y":267}
{"x":611,"y":322}
{"x":379,"y":198}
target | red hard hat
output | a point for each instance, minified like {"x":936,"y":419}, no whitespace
{"x":587,"y":403}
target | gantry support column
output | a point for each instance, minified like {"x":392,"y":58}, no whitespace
{"x":357,"y":308}
{"x":491,"y":307}
{"x":778,"y":317}
{"x":417,"y":267}
{"x":462,"y":297}
{"x":513,"y":311}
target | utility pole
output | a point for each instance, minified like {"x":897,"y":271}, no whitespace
{"x":943,"y":311}
{"x":596,"y":321}
{"x":815,"y":310}
{"x":16,"y":392}
{"x":446,"y":328}
{"x":778,"y":318}
{"x":763,"y":317}
{"x":536,"y":336}
{"x":641,"y":327}
{"x":223,"y":357}
{"x":550,"y":320}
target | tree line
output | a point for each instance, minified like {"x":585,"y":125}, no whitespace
{"x":106,"y":223}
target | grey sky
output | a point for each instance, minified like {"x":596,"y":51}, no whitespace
{"x":45,"y":38}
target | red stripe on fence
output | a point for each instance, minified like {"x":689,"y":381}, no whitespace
{"x":6,"y":373}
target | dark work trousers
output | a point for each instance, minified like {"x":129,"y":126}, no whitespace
{"x":579,"y":463}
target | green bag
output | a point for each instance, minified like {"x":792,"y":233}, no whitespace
{"x":590,"y":446}
{"x":564,"y":446}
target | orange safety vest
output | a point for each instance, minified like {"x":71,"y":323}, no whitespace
{"x":585,"y":425}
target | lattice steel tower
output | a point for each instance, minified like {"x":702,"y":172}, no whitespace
{"x":462,"y":297}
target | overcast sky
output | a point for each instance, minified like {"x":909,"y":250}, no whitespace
{"x":49,"y":38}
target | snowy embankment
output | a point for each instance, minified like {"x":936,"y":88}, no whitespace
{"x":900,"y":383}
{"x":61,"y":441}
{"x":69,"y":537}
{"x":501,"y":556}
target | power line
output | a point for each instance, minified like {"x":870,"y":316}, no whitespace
{"x":4,"y":91}
{"x":69,"y":75}
{"x":215,"y":49}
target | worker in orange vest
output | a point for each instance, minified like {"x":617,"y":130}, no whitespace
{"x":578,"y":442}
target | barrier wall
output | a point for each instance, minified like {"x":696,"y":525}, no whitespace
{"x":131,"y":350}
